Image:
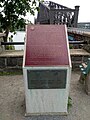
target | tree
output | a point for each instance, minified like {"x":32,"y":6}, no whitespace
{"x":12,"y":13}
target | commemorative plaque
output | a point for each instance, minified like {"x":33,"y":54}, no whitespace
{"x":46,"y":69}
{"x":46,"y":79}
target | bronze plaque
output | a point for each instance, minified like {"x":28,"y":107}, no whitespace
{"x":46,"y":79}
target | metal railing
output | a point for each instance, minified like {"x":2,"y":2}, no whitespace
{"x":22,"y":43}
{"x":53,"y":13}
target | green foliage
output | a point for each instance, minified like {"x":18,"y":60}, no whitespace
{"x":10,"y":47}
{"x":13,"y":12}
{"x":69,"y":103}
{"x":71,"y":47}
{"x":2,"y":73}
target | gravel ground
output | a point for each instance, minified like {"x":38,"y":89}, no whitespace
{"x":12,"y":104}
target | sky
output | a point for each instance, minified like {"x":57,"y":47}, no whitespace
{"x":84,"y":10}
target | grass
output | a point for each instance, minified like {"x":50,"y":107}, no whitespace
{"x":69,"y":102}
{"x":2,"y":73}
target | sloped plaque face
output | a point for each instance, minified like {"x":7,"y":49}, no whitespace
{"x":46,"y":45}
{"x":46,"y":79}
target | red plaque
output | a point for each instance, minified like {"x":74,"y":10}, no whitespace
{"x":46,"y":45}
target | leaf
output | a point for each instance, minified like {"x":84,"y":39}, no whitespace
{"x":13,"y":12}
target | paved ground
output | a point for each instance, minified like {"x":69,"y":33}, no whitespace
{"x":12,"y":104}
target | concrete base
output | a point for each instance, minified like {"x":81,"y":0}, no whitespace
{"x":53,"y":113}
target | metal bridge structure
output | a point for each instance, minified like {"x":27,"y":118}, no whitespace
{"x":53,"y":13}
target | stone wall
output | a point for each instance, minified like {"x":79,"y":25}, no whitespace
{"x":87,"y":46}
{"x":11,"y":62}
{"x":17,"y":62}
